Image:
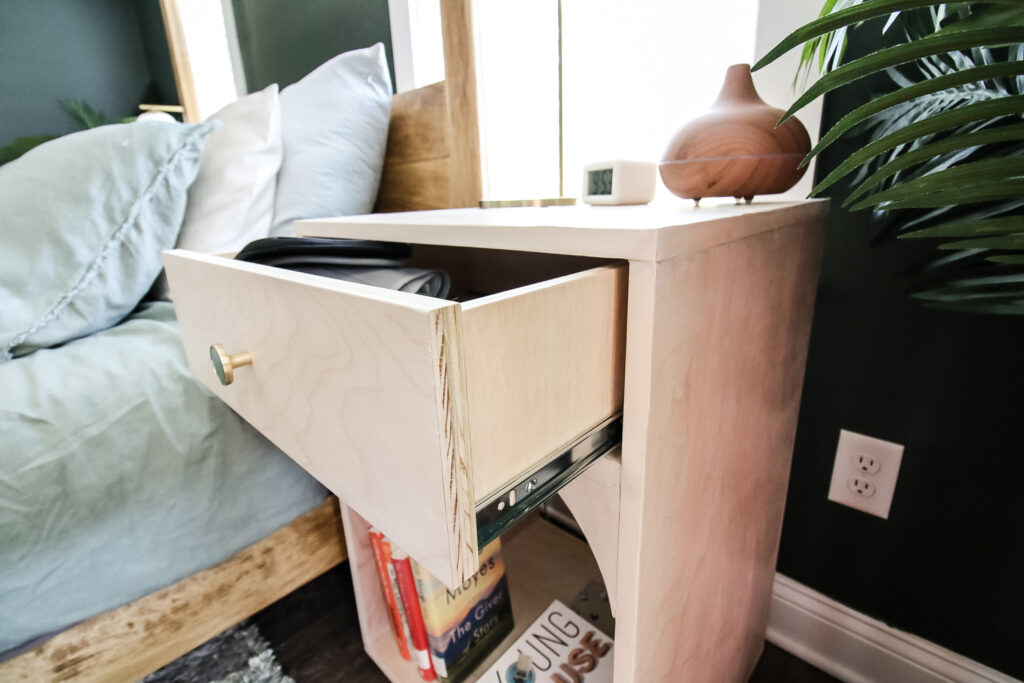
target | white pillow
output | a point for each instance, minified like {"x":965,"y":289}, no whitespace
{"x":231,"y":201}
{"x":335,"y":132}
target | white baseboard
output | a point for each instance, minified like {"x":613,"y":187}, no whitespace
{"x":858,"y":649}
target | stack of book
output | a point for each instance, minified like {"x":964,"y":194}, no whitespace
{"x":446,"y":632}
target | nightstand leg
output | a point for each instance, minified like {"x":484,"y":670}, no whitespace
{"x":716,"y":347}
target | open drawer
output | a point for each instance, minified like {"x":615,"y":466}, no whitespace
{"x":417,"y":412}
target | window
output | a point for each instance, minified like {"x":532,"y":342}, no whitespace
{"x":631,"y":74}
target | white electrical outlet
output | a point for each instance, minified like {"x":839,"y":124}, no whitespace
{"x":865,"y":472}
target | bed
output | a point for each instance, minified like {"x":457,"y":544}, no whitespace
{"x":432,"y":161}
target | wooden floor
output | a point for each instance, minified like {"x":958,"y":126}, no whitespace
{"x":315,"y":634}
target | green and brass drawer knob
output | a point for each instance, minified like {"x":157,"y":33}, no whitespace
{"x":225,"y":364}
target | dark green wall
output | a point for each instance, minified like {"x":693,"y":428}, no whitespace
{"x":948,"y":564}
{"x":158,"y":54}
{"x":281,"y":40}
{"x":52,"y":50}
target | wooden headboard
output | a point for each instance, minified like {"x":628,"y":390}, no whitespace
{"x":433,"y":153}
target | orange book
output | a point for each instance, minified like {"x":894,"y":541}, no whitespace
{"x":381,"y":553}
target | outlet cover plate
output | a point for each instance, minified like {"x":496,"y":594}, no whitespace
{"x":848,"y":475}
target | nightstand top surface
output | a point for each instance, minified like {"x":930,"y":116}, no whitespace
{"x":653,"y":232}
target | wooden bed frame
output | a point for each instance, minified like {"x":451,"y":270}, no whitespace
{"x":432,"y":162}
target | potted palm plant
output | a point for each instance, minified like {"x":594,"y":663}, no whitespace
{"x":944,"y":154}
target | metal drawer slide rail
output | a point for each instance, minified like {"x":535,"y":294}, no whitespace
{"x":498,"y":513}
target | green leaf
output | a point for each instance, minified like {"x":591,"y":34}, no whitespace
{"x":971,"y":194}
{"x":1011,"y":259}
{"x":987,"y":16}
{"x":991,"y":226}
{"x":13,"y":150}
{"x":1009,"y":308}
{"x":952,"y":182}
{"x":935,"y":149}
{"x":831,"y":22}
{"x":1002,"y":106}
{"x":973,"y":283}
{"x":1007,"y":242}
{"x":84,"y":114}
{"x":903,"y":53}
{"x":904,"y":94}
{"x":977,"y":213}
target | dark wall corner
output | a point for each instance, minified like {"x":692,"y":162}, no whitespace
{"x":947,"y":564}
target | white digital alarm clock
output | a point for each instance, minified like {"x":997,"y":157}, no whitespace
{"x":620,"y":182}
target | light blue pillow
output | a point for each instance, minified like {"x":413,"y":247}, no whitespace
{"x":335,"y":124}
{"x":83,"y":220}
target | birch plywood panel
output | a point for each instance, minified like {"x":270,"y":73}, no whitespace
{"x":544,"y":364}
{"x":361,"y":386}
{"x":706,"y":450}
{"x":593,"y":500}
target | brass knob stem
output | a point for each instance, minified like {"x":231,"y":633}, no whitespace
{"x":224,"y":363}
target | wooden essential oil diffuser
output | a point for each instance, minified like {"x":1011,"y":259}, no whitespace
{"x":736,"y":149}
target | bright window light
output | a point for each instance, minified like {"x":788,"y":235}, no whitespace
{"x":206,"y":41}
{"x":635,"y":72}
{"x":632,"y":73}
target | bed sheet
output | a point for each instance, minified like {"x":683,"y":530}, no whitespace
{"x":120,"y":474}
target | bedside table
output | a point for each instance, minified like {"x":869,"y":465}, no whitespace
{"x":435,"y":420}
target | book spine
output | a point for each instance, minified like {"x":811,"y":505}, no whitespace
{"x":407,"y":586}
{"x":393,"y":578}
{"x":376,"y":540}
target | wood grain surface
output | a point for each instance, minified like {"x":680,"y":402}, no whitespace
{"x":465,"y":165}
{"x":738,"y":148}
{"x":716,"y":347}
{"x":345,"y":379}
{"x":132,"y":641}
{"x":183,"y":78}
{"x":650,"y":233}
{"x":544,"y":363}
{"x":593,"y":500}
{"x":410,"y":409}
{"x":416,"y":173}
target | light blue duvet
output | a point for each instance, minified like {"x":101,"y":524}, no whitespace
{"x":120,"y":474}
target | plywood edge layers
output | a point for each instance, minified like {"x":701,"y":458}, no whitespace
{"x":447,"y":358}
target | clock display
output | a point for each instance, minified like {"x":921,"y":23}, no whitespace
{"x":600,"y":182}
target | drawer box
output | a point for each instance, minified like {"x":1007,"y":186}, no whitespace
{"x":414,"y":410}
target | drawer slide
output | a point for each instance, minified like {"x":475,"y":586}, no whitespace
{"x":498,"y":513}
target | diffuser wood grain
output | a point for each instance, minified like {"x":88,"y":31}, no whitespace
{"x":736,"y":149}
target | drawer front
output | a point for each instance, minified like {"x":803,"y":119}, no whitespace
{"x":363,"y":387}
{"x":412,"y":410}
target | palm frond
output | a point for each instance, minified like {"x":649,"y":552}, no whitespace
{"x":901,"y":54}
{"x":944,"y":156}
{"x":936,"y":151}
{"x":980,"y":111}
{"x":909,"y":91}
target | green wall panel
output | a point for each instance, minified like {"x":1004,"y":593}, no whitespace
{"x":51,"y":50}
{"x":282,"y":40}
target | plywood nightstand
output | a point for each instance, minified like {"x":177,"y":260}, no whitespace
{"x":421,"y":413}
